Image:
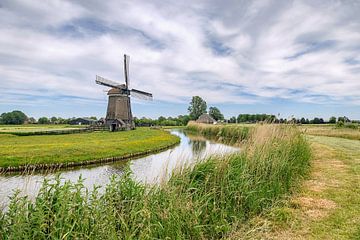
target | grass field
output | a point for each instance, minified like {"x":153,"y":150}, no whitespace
{"x":203,"y":202}
{"x":48,"y":149}
{"x":331,"y":131}
{"x":37,"y":127}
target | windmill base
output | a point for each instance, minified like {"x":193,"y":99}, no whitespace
{"x":119,"y":125}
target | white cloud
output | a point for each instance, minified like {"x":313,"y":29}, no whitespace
{"x":224,"y":51}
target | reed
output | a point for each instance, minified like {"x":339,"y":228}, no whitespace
{"x":199,"y":202}
{"x":232,"y":134}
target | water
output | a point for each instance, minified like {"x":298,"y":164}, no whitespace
{"x":150,"y":169}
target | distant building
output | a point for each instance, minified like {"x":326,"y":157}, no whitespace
{"x":206,"y":118}
{"x":82,"y":121}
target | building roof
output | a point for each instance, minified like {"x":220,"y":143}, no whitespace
{"x":84,"y":118}
{"x":205,"y":118}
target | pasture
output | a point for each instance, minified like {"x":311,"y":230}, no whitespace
{"x":55,"y":149}
{"x":36,"y":127}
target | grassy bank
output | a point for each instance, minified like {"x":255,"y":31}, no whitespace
{"x":225,"y":133}
{"x":328,"y":205}
{"x":37,"y":127}
{"x":206,"y":201}
{"x":16,"y":151}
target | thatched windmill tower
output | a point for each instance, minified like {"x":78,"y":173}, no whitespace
{"x":118,"y":115}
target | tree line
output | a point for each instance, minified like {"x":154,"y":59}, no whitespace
{"x":18,"y":117}
{"x":197,"y":107}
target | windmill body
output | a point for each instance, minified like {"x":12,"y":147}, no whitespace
{"x":119,"y":115}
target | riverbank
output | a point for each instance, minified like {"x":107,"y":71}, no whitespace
{"x":19,"y":153}
{"x":234,"y":134}
{"x":205,"y":201}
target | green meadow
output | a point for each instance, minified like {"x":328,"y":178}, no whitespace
{"x":54,"y":149}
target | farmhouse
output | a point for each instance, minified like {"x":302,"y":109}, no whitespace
{"x":82,"y":121}
{"x":206,"y":118}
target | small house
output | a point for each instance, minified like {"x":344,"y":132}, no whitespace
{"x":206,"y":118}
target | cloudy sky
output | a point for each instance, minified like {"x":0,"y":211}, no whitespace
{"x":298,"y":58}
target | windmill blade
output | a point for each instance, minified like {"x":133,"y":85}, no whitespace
{"x":105,"y":82}
{"x":126,"y":70}
{"x":141,"y":95}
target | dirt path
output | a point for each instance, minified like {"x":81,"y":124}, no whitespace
{"x":328,"y":206}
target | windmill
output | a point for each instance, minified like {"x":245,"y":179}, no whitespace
{"x":118,"y":115}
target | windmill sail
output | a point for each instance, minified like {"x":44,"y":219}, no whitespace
{"x":141,"y":95}
{"x":103,"y":81}
{"x":126,"y":70}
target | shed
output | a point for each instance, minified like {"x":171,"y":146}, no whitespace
{"x":206,"y":118}
{"x":82,"y":121}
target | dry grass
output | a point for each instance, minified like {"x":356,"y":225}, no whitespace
{"x":331,"y":131}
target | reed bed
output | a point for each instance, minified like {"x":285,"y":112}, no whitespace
{"x":231,"y":134}
{"x":203,"y":201}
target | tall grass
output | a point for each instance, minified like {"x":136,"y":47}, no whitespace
{"x":226,"y":133}
{"x":198,"y":202}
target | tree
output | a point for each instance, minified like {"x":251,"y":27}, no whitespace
{"x":54,"y":120}
{"x":14,"y":117}
{"x":302,"y":120}
{"x":232,"y":119}
{"x":332,"y":120}
{"x":197,"y":107}
{"x":215,"y":113}
{"x":316,"y":121}
{"x":43,"y":120}
{"x":184,"y":119}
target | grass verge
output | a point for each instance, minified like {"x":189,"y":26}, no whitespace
{"x":81,"y":148}
{"x":199,"y":202}
{"x":328,"y":205}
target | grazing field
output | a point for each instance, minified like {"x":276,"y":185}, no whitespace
{"x":55,"y":149}
{"x":36,"y":127}
{"x":330,"y":130}
{"x":207,"y":201}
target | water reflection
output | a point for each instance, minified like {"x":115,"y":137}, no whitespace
{"x":149,"y":169}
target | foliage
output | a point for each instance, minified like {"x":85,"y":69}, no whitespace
{"x":202,"y":202}
{"x":317,"y":121}
{"x":341,"y":124}
{"x":181,"y":120}
{"x":215,"y":113}
{"x":232,"y":119}
{"x":43,"y":120}
{"x":255,"y":118}
{"x":48,"y":149}
{"x":14,"y":117}
{"x":332,"y":120}
{"x":197,"y":107}
{"x":343,"y":119}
